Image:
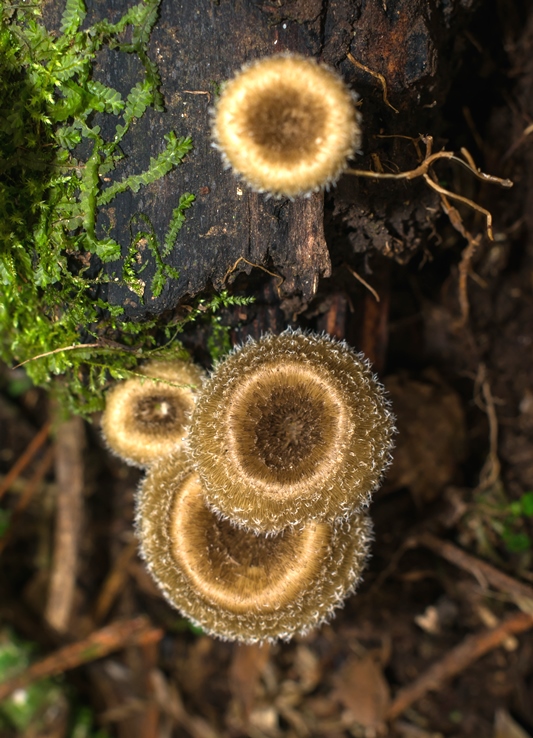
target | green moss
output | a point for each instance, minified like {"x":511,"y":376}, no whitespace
{"x":53,"y":159}
{"x":25,"y":707}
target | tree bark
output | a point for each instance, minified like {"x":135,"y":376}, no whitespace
{"x":197,"y":45}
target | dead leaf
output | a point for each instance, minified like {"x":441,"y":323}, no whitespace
{"x":363,"y":690}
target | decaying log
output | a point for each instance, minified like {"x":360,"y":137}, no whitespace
{"x":197,"y":45}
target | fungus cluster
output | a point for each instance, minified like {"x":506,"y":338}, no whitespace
{"x":286,"y":125}
{"x":252,"y":517}
{"x":255,"y":528}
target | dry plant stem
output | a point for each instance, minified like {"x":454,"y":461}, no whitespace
{"x":465,"y":200}
{"x":465,"y":265}
{"x":457,"y":660}
{"x":363,"y":282}
{"x":58,"y":350}
{"x":114,"y":582}
{"x":376,"y":75}
{"x":27,"y":495}
{"x":99,"y":644}
{"x":70,"y":442}
{"x":25,"y":459}
{"x":485,"y":573}
{"x":491,"y":469}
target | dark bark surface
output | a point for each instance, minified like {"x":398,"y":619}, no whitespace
{"x":199,"y":45}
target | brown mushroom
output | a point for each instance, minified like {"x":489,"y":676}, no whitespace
{"x":147,"y":416}
{"x":289,"y":429}
{"x":287,"y":125}
{"x":233,"y":583}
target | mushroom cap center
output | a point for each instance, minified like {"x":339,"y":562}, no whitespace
{"x":287,"y":124}
{"x":159,"y":412}
{"x":287,"y":427}
{"x":283,"y":422}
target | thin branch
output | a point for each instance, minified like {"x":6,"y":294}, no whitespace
{"x":424,"y":170}
{"x":25,"y":459}
{"x":69,"y":445}
{"x":481,"y":570}
{"x":99,"y":644}
{"x":471,"y":649}
{"x":465,"y":200}
{"x":258,"y":266}
{"x":58,"y":351}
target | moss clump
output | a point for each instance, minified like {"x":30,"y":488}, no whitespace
{"x":54,"y":162}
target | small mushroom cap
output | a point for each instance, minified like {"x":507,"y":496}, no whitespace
{"x":234,"y":584}
{"x":146,"y":418}
{"x":288,"y":429}
{"x":286,"y":125}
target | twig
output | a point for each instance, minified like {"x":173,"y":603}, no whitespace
{"x":114,"y":582}
{"x":31,"y":486}
{"x":25,"y":459}
{"x":70,"y":442}
{"x":424,"y":169}
{"x":199,"y":92}
{"x":99,"y":644}
{"x":481,"y":570}
{"x":471,"y":649}
{"x":465,"y":265}
{"x":58,"y":351}
{"x":464,"y":200}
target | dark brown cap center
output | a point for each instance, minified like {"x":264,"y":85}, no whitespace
{"x":159,"y":413}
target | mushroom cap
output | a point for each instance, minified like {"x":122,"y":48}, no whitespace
{"x":146,"y":418}
{"x":286,"y":125}
{"x":232,"y":583}
{"x":288,"y":429}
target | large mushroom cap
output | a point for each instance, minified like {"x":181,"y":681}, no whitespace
{"x":235,"y":584}
{"x":288,"y":429}
{"x":146,"y":417}
{"x":287,"y":125}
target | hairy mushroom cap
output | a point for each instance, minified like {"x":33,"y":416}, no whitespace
{"x":146,"y":418}
{"x":234,"y":584}
{"x":288,"y":429}
{"x":287,"y":125}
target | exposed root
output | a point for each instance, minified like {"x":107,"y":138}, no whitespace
{"x":377,"y":75}
{"x":259,"y":266}
{"x":425,"y":170}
